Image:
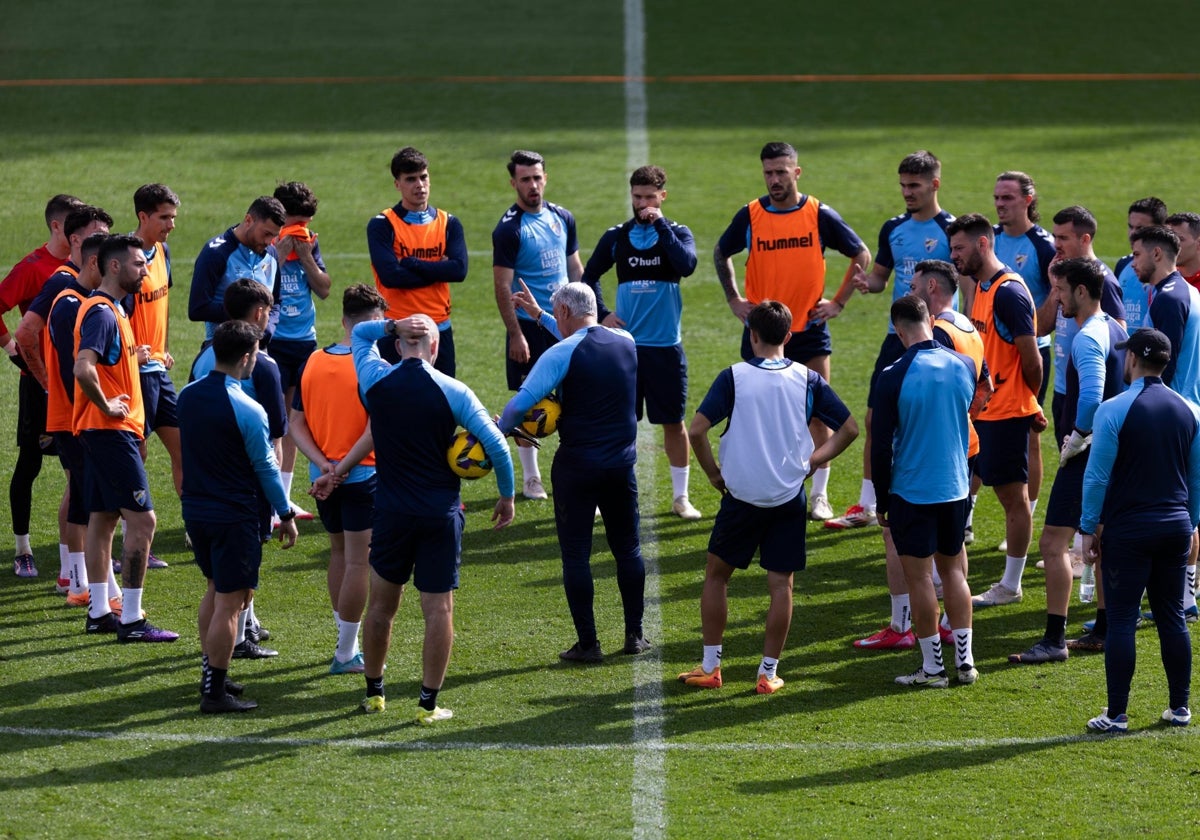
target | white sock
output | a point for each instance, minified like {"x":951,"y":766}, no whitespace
{"x":337,"y":620}
{"x":131,"y":608}
{"x":945,"y":622}
{"x":347,"y":644}
{"x":1032,"y":506}
{"x":712,"y":658}
{"x":937,"y":578}
{"x":287,"y":482}
{"x":963,"y":655}
{"x":114,"y":588}
{"x":23,"y":546}
{"x":931,"y":650}
{"x":241,"y":628}
{"x":1191,"y":579}
{"x":820,"y":482}
{"x":679,"y":481}
{"x":1189,"y":594}
{"x":767,"y":667}
{"x":529,"y":462}
{"x":971,"y":512}
{"x":1014,"y":567}
{"x":98,"y":604}
{"x":866,"y":495}
{"x":78,"y":573}
{"x":64,"y":561}
{"x":901,"y":613}
{"x":249,"y":616}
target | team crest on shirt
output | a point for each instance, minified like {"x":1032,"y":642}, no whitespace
{"x":930,"y":245}
{"x":1021,"y":260}
{"x":140,"y":496}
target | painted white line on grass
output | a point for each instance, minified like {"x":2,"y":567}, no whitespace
{"x":649,"y":758}
{"x":660,"y":746}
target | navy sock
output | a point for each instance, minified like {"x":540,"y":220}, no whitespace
{"x":374,"y":686}
{"x":1056,"y":630}
{"x":428,"y":699}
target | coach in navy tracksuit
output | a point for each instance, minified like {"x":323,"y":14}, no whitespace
{"x":594,"y":369}
{"x":1142,"y":487}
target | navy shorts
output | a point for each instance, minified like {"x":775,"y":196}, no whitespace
{"x":70,"y":455}
{"x":228,"y":553}
{"x":802,"y":347}
{"x":426,"y":548}
{"x":539,"y":340}
{"x":925,"y":530}
{"x":891,"y":350}
{"x":31,"y":416}
{"x":662,"y":384}
{"x":1066,"y":495}
{"x":113,"y":476}
{"x":776,"y":533}
{"x":350,"y":507}
{"x":291,"y":354}
{"x":1003,"y":451}
{"x":158,"y":395}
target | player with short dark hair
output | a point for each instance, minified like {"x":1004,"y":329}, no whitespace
{"x":18,"y":289}
{"x":785,"y":234}
{"x":1003,"y":312}
{"x":60,"y":396}
{"x":157,"y":206}
{"x":917,"y":234}
{"x":652,"y":255}
{"x":1187,"y":228}
{"x":249,"y":301}
{"x":534,"y":243}
{"x":244,"y":250}
{"x":1094,"y":374}
{"x":327,"y":422}
{"x":1142,"y":213}
{"x":919,"y":453}
{"x":302,"y":274}
{"x":229,"y":463}
{"x":109,"y":419}
{"x":417,"y":251}
{"x":766,"y":453}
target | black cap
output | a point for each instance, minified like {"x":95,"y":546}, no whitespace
{"x":1148,"y":344}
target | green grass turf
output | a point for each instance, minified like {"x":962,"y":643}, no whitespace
{"x":537,"y":749}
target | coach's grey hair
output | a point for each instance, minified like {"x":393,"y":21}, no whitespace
{"x":578,"y":298}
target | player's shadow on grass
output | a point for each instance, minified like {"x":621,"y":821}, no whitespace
{"x":926,"y":762}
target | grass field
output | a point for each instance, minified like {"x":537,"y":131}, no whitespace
{"x":98,"y":739}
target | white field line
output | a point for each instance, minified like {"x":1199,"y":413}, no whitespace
{"x":662,"y":747}
{"x":649,"y":760}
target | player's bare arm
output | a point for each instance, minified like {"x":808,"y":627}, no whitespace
{"x":738,"y":305}
{"x":826,"y":309}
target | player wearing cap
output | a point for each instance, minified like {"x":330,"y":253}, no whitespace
{"x":1141,"y":503}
